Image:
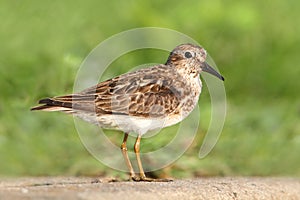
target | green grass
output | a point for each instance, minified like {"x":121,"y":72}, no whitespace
{"x":255,"y":44}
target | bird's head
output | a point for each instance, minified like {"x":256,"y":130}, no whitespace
{"x":189,"y":55}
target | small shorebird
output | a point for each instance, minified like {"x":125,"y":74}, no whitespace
{"x":141,"y":101}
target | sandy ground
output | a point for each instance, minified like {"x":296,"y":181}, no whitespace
{"x":202,"y":188}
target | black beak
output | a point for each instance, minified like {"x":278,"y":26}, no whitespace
{"x":207,"y":68}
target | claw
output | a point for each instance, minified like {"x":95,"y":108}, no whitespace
{"x":146,"y":179}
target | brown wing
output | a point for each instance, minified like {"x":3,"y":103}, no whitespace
{"x":146,"y":92}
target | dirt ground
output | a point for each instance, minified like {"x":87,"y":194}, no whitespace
{"x":82,"y":188}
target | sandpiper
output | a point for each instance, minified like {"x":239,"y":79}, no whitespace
{"x":141,"y":101}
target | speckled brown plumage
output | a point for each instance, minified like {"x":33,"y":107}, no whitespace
{"x":162,"y":94}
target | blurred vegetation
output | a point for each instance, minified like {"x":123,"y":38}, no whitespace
{"x":256,"y":45}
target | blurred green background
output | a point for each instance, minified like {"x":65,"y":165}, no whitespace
{"x":256,"y":45}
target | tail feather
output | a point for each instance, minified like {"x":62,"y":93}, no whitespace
{"x":68,"y":103}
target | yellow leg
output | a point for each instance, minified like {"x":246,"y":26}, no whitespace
{"x":138,"y":158}
{"x":126,"y":158}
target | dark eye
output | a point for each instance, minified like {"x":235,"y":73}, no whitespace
{"x":188,"y":54}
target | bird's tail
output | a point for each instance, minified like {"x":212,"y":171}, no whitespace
{"x":68,"y":103}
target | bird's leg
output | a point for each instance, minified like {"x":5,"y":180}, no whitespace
{"x":126,"y":158}
{"x":138,"y":158}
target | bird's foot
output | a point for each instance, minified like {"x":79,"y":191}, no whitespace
{"x":146,"y":179}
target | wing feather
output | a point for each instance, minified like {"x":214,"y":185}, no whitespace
{"x":144,"y":93}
